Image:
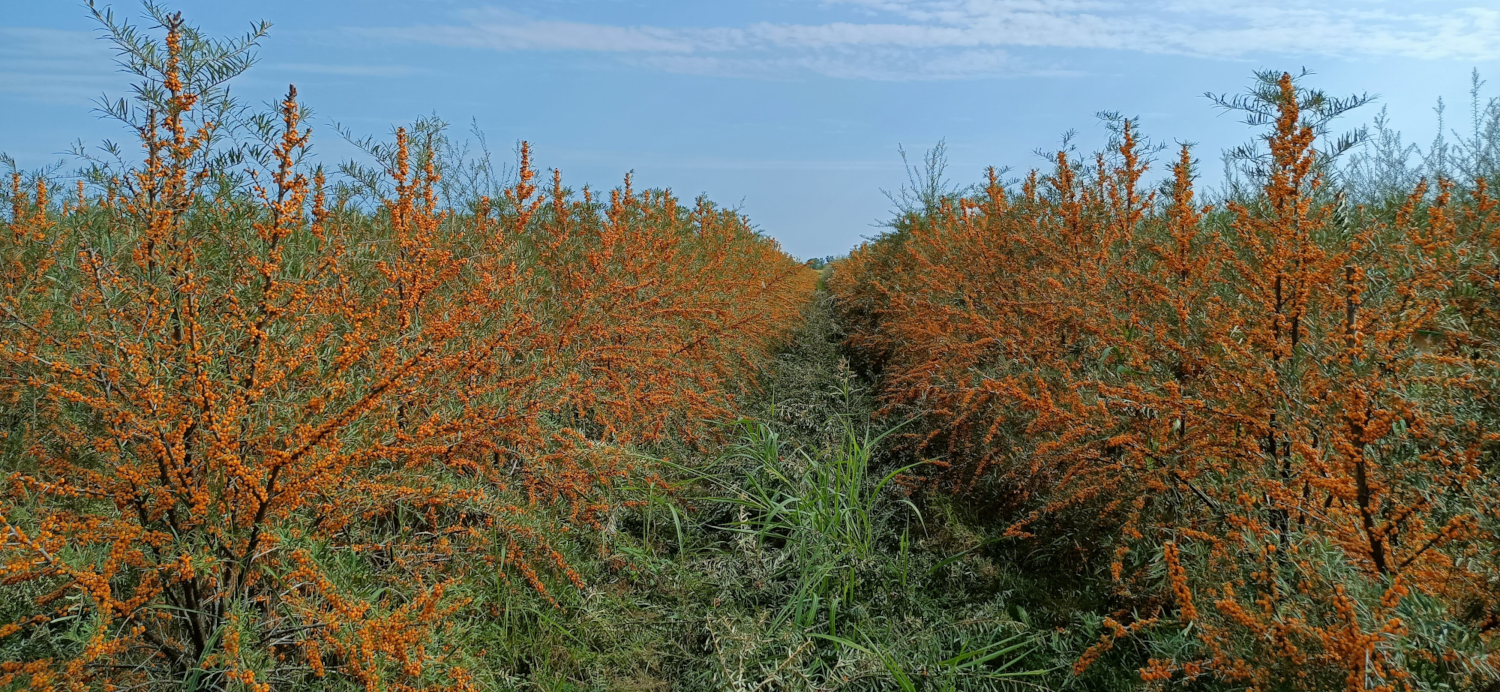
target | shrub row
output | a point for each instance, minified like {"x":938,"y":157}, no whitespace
{"x":253,"y":439}
{"x":1266,"y":429}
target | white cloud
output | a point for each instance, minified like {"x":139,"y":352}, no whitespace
{"x":345,"y":70}
{"x":945,"y":39}
{"x":532,"y":35}
{"x":764,"y":50}
{"x":503,"y":30}
{"x":75,"y":67}
{"x":57,"y":66}
{"x":1217,"y":28}
{"x":880,"y":39}
{"x":881,"y":65}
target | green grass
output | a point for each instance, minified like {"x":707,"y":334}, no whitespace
{"x":787,"y":560}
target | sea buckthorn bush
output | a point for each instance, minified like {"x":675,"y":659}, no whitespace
{"x":1264,"y":427}
{"x":254,"y":439}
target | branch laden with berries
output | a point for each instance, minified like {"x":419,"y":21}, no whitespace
{"x":1273,"y":414}
{"x":220,"y":393}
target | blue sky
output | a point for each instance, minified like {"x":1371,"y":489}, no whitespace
{"x":789,"y":109}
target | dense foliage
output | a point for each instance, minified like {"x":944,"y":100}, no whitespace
{"x":1267,"y":428}
{"x":255,"y":439}
{"x":406,"y":426}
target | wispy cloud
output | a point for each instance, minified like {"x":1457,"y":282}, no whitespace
{"x":56,"y":66}
{"x":760,"y":50}
{"x":884,"y":65}
{"x":543,"y":35}
{"x":948,"y":39}
{"x":1217,"y":28}
{"x":345,"y":70}
{"x":73,"y":67}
